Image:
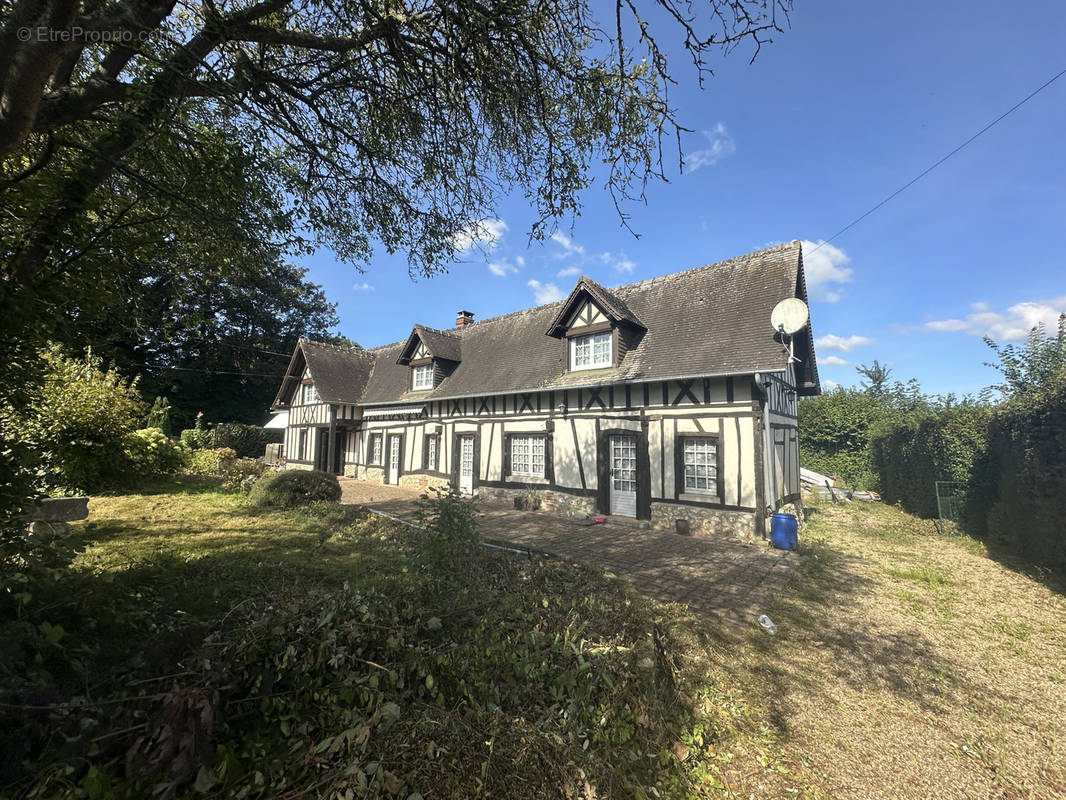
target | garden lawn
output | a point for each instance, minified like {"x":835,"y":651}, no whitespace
{"x":906,"y":665}
{"x":909,"y":664}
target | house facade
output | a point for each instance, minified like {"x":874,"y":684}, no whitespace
{"x":672,"y":398}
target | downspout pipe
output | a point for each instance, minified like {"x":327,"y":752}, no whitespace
{"x":762,"y":383}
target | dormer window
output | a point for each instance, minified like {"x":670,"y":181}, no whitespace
{"x":422,"y":377}
{"x":593,"y":351}
{"x":308,"y":394}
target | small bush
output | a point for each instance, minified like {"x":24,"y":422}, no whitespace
{"x":207,"y":461}
{"x":150,"y":453}
{"x":249,"y":441}
{"x":198,"y":438}
{"x":450,"y":522}
{"x":294,"y":488}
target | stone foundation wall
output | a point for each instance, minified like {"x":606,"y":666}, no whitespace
{"x":550,"y":501}
{"x":290,"y":465}
{"x":417,"y":481}
{"x":369,"y":474}
{"x":704,"y":521}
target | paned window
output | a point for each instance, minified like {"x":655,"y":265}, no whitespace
{"x":422,"y":377}
{"x":591,"y":352}
{"x":431,"y":453}
{"x":701,"y":465}
{"x":527,"y":455}
{"x":375,"y":449}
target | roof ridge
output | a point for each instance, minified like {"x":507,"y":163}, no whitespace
{"x":356,"y":349}
{"x":438,"y":330}
{"x":456,"y":331}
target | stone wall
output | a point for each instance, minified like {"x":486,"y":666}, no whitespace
{"x":369,"y":474}
{"x":550,"y":501}
{"x":421,"y":481}
{"x":704,"y":521}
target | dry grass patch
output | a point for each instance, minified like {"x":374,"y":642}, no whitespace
{"x":909,"y":664}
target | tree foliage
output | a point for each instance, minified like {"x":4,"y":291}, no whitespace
{"x":1036,"y":365}
{"x":79,"y":421}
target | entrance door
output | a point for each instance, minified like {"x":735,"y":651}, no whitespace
{"x":466,"y":464}
{"x":623,"y":476}
{"x":394,"y":459}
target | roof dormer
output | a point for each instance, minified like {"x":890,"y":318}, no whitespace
{"x":598,"y":326}
{"x":431,"y":355}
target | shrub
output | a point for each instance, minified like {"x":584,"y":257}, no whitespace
{"x":294,"y":488}
{"x":150,"y":453}
{"x":835,"y":435}
{"x":249,"y":441}
{"x":1015,"y":495}
{"x":198,"y":438}
{"x":79,"y":420}
{"x":912,"y":451}
{"x":451,"y":529}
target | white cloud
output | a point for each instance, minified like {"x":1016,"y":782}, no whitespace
{"x":568,"y":244}
{"x":843,"y":344}
{"x":830,"y":385}
{"x":545,"y":292}
{"x":823,"y":267}
{"x":502,"y":267}
{"x":720,"y":145}
{"x":569,"y":272}
{"x":625,"y":265}
{"x":484,"y":233}
{"x":1011,"y":325}
{"x":519,"y":261}
{"x":833,"y":361}
{"x":363,"y":287}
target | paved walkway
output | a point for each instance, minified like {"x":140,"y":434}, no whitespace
{"x":732,"y":579}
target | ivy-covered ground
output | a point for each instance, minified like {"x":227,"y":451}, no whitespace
{"x":200,"y":647}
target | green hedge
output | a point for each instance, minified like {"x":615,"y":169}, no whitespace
{"x":1017,"y":494}
{"x":835,"y":434}
{"x":912,"y":451}
{"x":247,"y":441}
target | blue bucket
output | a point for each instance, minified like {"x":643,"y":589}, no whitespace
{"x":784,"y":531}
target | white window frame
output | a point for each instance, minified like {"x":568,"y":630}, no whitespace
{"x":699,"y":453}
{"x":432,"y":455}
{"x":592,"y":351}
{"x":422,"y":377}
{"x":528,"y":455}
{"x":377,"y":449}
{"x":309,"y":394}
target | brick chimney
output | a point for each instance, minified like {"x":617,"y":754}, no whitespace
{"x":463,"y":318}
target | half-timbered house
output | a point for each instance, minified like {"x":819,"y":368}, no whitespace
{"x":665,"y":399}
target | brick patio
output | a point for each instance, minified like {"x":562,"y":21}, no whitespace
{"x":729,"y":578}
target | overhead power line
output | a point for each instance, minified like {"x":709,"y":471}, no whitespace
{"x":929,"y":169}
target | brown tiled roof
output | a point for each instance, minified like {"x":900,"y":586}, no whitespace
{"x":440,"y":344}
{"x":712,"y":320}
{"x":608,"y":301}
{"x":340,"y":373}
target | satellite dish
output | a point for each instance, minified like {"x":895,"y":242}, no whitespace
{"x":789,"y":316}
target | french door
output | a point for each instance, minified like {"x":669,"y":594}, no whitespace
{"x":394,"y":459}
{"x":623,"y":475}
{"x":466,"y":464}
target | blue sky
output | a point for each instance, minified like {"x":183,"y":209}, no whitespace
{"x":843,"y":108}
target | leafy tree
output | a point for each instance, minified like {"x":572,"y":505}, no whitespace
{"x":79,"y":421}
{"x":381,"y":120}
{"x":877,"y":375}
{"x":159,"y":415}
{"x":1036,"y":365}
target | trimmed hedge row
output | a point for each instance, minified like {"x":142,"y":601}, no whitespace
{"x":1017,"y":493}
{"x":247,"y":441}
{"x":835,"y":435}
{"x":911,"y":452}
